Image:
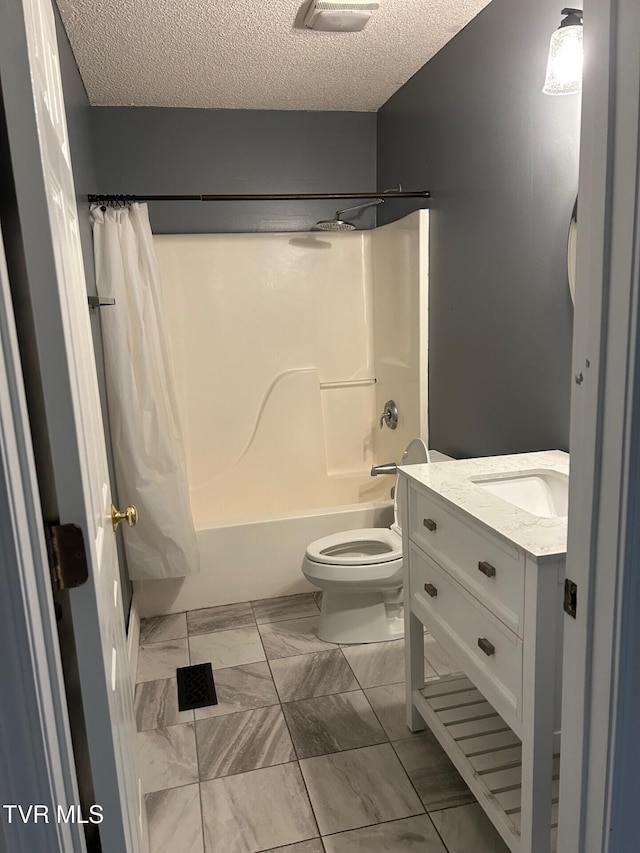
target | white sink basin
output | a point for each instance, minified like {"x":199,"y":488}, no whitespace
{"x":542,"y":492}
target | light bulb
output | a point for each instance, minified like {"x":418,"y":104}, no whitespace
{"x":564,"y":68}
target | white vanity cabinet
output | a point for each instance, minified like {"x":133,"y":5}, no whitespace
{"x":491,"y":593}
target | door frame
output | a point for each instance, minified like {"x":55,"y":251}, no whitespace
{"x":53,"y":314}
{"x":601,"y":673}
{"x":35,"y":741}
{"x":600,"y":755}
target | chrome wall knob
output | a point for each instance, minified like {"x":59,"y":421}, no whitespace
{"x":389,"y":415}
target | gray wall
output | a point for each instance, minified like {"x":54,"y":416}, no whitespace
{"x":501,"y":160}
{"x":157,"y":151}
{"x":78,"y":114}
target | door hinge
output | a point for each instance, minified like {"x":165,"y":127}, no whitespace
{"x":570,"y":597}
{"x":67,"y":555}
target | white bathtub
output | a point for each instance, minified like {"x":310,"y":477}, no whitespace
{"x":254,"y":559}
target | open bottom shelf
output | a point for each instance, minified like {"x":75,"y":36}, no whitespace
{"x":485,"y":751}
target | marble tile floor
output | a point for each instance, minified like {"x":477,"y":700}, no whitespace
{"x":307,"y":750}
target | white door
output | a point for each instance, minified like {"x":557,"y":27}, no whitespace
{"x":45,"y":192}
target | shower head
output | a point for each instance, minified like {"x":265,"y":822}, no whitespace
{"x":334,"y":225}
{"x":338,"y":223}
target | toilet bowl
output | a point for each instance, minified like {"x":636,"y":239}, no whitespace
{"x":360,"y":575}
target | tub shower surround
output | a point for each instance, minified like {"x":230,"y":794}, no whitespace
{"x":307,"y":751}
{"x":285,"y":348}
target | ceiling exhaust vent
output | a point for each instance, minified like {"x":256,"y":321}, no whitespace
{"x":339,"y":17}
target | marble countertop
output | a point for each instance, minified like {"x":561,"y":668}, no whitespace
{"x":451,"y":481}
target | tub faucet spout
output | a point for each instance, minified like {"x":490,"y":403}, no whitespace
{"x":387,"y":468}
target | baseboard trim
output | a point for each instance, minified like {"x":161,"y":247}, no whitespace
{"x":133,"y":640}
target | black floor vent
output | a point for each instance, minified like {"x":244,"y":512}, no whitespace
{"x":195,"y":687}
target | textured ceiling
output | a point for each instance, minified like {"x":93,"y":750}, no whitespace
{"x":247,"y":54}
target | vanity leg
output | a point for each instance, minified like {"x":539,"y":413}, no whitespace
{"x":414,"y":666}
{"x":538,"y":704}
{"x":413,"y":627}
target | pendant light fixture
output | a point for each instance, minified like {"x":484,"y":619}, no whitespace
{"x":564,"y":67}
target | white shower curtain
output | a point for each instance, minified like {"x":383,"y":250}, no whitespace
{"x":143,"y":414}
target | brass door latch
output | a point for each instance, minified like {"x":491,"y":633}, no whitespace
{"x":130,"y":515}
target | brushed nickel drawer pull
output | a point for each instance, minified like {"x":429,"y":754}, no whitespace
{"x":430,"y":524}
{"x":487,"y":569}
{"x":431,"y":590}
{"x":487,"y":647}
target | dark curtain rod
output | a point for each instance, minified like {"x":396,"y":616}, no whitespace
{"x":105,"y":199}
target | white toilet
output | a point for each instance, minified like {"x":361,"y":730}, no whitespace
{"x":360,"y":574}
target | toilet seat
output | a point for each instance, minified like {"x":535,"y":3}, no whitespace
{"x":365,"y":547}
{"x":360,"y":574}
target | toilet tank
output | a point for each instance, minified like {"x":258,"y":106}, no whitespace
{"x":415,"y":454}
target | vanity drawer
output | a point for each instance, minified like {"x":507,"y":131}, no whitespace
{"x":488,"y":652}
{"x":491,"y":569}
